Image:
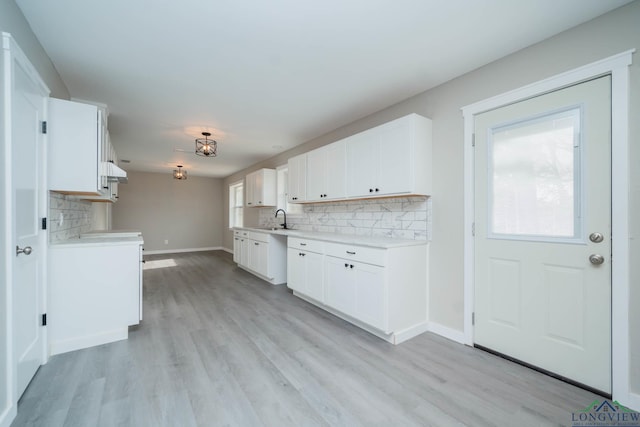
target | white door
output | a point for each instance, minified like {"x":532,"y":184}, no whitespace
{"x":29,"y":205}
{"x":543,"y":232}
{"x":395,"y":168}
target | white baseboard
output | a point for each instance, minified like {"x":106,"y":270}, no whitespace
{"x":447,"y":332}
{"x":227,"y":250}
{"x":79,"y":343}
{"x":7,"y":417}
{"x":407,"y":334}
{"x":632,"y":401}
{"x":178,"y":251}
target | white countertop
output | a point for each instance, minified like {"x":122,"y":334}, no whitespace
{"x":374,"y":242}
{"x":99,"y":241}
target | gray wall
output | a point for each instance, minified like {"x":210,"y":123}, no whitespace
{"x":12,"y":21}
{"x":607,"y":35}
{"x":186,"y":213}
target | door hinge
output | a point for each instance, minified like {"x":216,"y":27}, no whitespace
{"x":473,"y":318}
{"x":473,"y":228}
{"x":473,"y":139}
{"x":44,"y":319}
{"x":43,"y":127}
{"x":44,"y":223}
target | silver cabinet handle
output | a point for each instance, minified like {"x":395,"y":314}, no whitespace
{"x":27,"y":250}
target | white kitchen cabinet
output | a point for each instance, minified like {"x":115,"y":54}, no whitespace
{"x":260,"y":188}
{"x":89,"y":305}
{"x":297,"y":179}
{"x":326,"y":172}
{"x":259,"y":257}
{"x":262,"y":253}
{"x":381,"y":289}
{"x":358,"y":290}
{"x":75,"y":134}
{"x":305,"y":268}
{"x":390,"y":159}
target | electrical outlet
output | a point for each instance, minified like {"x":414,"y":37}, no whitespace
{"x":166,"y":242}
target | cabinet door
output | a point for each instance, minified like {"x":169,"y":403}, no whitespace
{"x":395,"y":167}
{"x":370,"y":295}
{"x":249,"y":189}
{"x":362,"y":164}
{"x":258,"y":188}
{"x":296,"y":272}
{"x":258,"y":257}
{"x":314,"y":274}
{"x":236,"y":249}
{"x":244,"y":252}
{"x":315,"y":175}
{"x":297,"y":180}
{"x":335,"y":170}
{"x":340,"y":285}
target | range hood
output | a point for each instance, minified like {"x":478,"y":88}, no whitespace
{"x":114,"y":173}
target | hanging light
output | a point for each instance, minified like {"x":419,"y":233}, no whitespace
{"x":206,"y":147}
{"x":179,"y":173}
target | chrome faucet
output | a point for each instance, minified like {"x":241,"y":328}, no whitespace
{"x":284,"y":225}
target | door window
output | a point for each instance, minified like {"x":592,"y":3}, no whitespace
{"x":534,"y":177}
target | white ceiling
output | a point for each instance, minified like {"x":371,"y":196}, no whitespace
{"x":265,"y":76}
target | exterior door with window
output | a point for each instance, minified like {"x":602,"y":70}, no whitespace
{"x":543,"y":232}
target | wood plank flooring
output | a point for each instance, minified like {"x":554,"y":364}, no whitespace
{"x":219,"y":347}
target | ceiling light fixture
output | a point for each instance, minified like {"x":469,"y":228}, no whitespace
{"x":206,"y":147}
{"x":179,"y":173}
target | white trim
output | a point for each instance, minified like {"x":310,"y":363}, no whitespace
{"x":411,"y":332}
{"x":227,"y":250}
{"x":618,"y":67}
{"x":179,"y":251}
{"x":79,"y":343}
{"x":447,"y":332}
{"x":7,"y":417}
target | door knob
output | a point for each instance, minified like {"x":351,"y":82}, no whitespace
{"x":27,"y":250}
{"x":596,"y":259}
{"x":596,"y":237}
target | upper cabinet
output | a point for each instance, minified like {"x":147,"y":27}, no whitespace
{"x":297,"y":179}
{"x":82,"y":160}
{"x":75,"y":134}
{"x":390,"y":159}
{"x":260,"y":188}
{"x":393,"y":159}
{"x":326,"y":171}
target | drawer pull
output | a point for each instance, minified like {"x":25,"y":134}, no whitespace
{"x":303,"y":244}
{"x":351,"y":266}
{"x":351,"y":253}
{"x":256,"y":243}
{"x":346,"y":265}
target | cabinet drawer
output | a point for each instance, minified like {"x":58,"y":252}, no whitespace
{"x":357,"y":253}
{"x":306,"y":244}
{"x":260,"y":237}
{"x":241,"y":233}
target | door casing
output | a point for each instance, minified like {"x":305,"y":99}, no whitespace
{"x":618,"y":67}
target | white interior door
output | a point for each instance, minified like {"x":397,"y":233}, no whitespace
{"x":27,"y":113}
{"x":542,"y":232}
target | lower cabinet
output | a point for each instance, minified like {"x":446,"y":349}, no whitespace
{"x":358,"y":290}
{"x":95,"y":292}
{"x":261,"y":253}
{"x":383,"y":290}
{"x":305,"y":272}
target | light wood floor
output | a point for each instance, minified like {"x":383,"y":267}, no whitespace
{"x":220,"y":347}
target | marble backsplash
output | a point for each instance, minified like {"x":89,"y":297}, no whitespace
{"x":68,"y":217}
{"x":401,"y":218}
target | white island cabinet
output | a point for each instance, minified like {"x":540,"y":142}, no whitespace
{"x":95,"y":291}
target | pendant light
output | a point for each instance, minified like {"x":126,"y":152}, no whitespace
{"x":179,"y":173}
{"x":206,"y":147}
